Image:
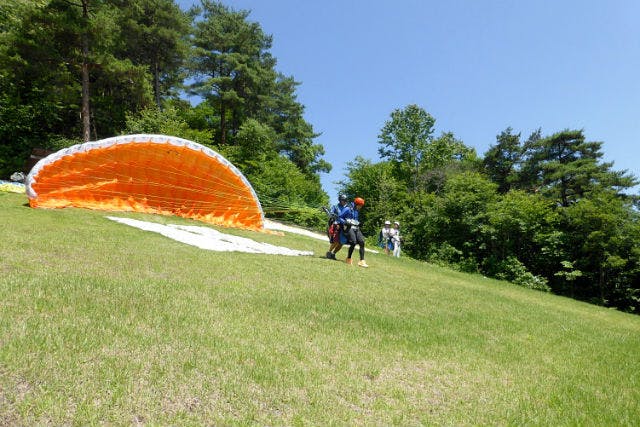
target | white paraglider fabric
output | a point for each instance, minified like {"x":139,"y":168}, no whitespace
{"x":209,"y":239}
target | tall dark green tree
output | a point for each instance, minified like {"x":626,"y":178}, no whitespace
{"x":155,"y":33}
{"x":230,"y":63}
{"x":281,"y":110}
{"x":40,"y":66}
{"x":501,"y":161}
{"x":235,"y":74}
{"x":63,"y":60}
{"x":567,"y":167}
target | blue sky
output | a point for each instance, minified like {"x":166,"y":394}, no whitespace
{"x":476,"y":66}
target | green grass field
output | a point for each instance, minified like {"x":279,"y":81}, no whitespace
{"x":101,"y":323}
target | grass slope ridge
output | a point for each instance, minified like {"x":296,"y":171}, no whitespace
{"x":102,"y":323}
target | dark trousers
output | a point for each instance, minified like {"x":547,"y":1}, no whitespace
{"x":354,"y":235}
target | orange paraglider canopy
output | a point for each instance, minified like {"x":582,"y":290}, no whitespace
{"x":147,"y":173}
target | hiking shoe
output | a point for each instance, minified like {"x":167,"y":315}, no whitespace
{"x":349,"y":261}
{"x":363,"y":263}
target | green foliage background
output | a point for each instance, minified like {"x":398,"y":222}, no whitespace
{"x":545,"y":213}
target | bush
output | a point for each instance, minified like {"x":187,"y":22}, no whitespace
{"x":513,"y":270}
{"x":445,"y":254}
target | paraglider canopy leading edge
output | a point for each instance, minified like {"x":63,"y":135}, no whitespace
{"x":147,"y":173}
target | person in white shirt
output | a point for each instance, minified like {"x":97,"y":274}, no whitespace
{"x":384,"y":239}
{"x":396,"y":239}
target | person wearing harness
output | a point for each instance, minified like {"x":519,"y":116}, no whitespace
{"x":349,"y":218}
{"x":334,"y":227}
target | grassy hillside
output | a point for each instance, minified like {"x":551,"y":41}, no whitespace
{"x":104,"y":323}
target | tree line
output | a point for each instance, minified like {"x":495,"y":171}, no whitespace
{"x":79,"y":70}
{"x":544,"y":212}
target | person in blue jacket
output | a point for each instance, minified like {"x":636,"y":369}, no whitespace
{"x":334,"y":227}
{"x":349,"y":218}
